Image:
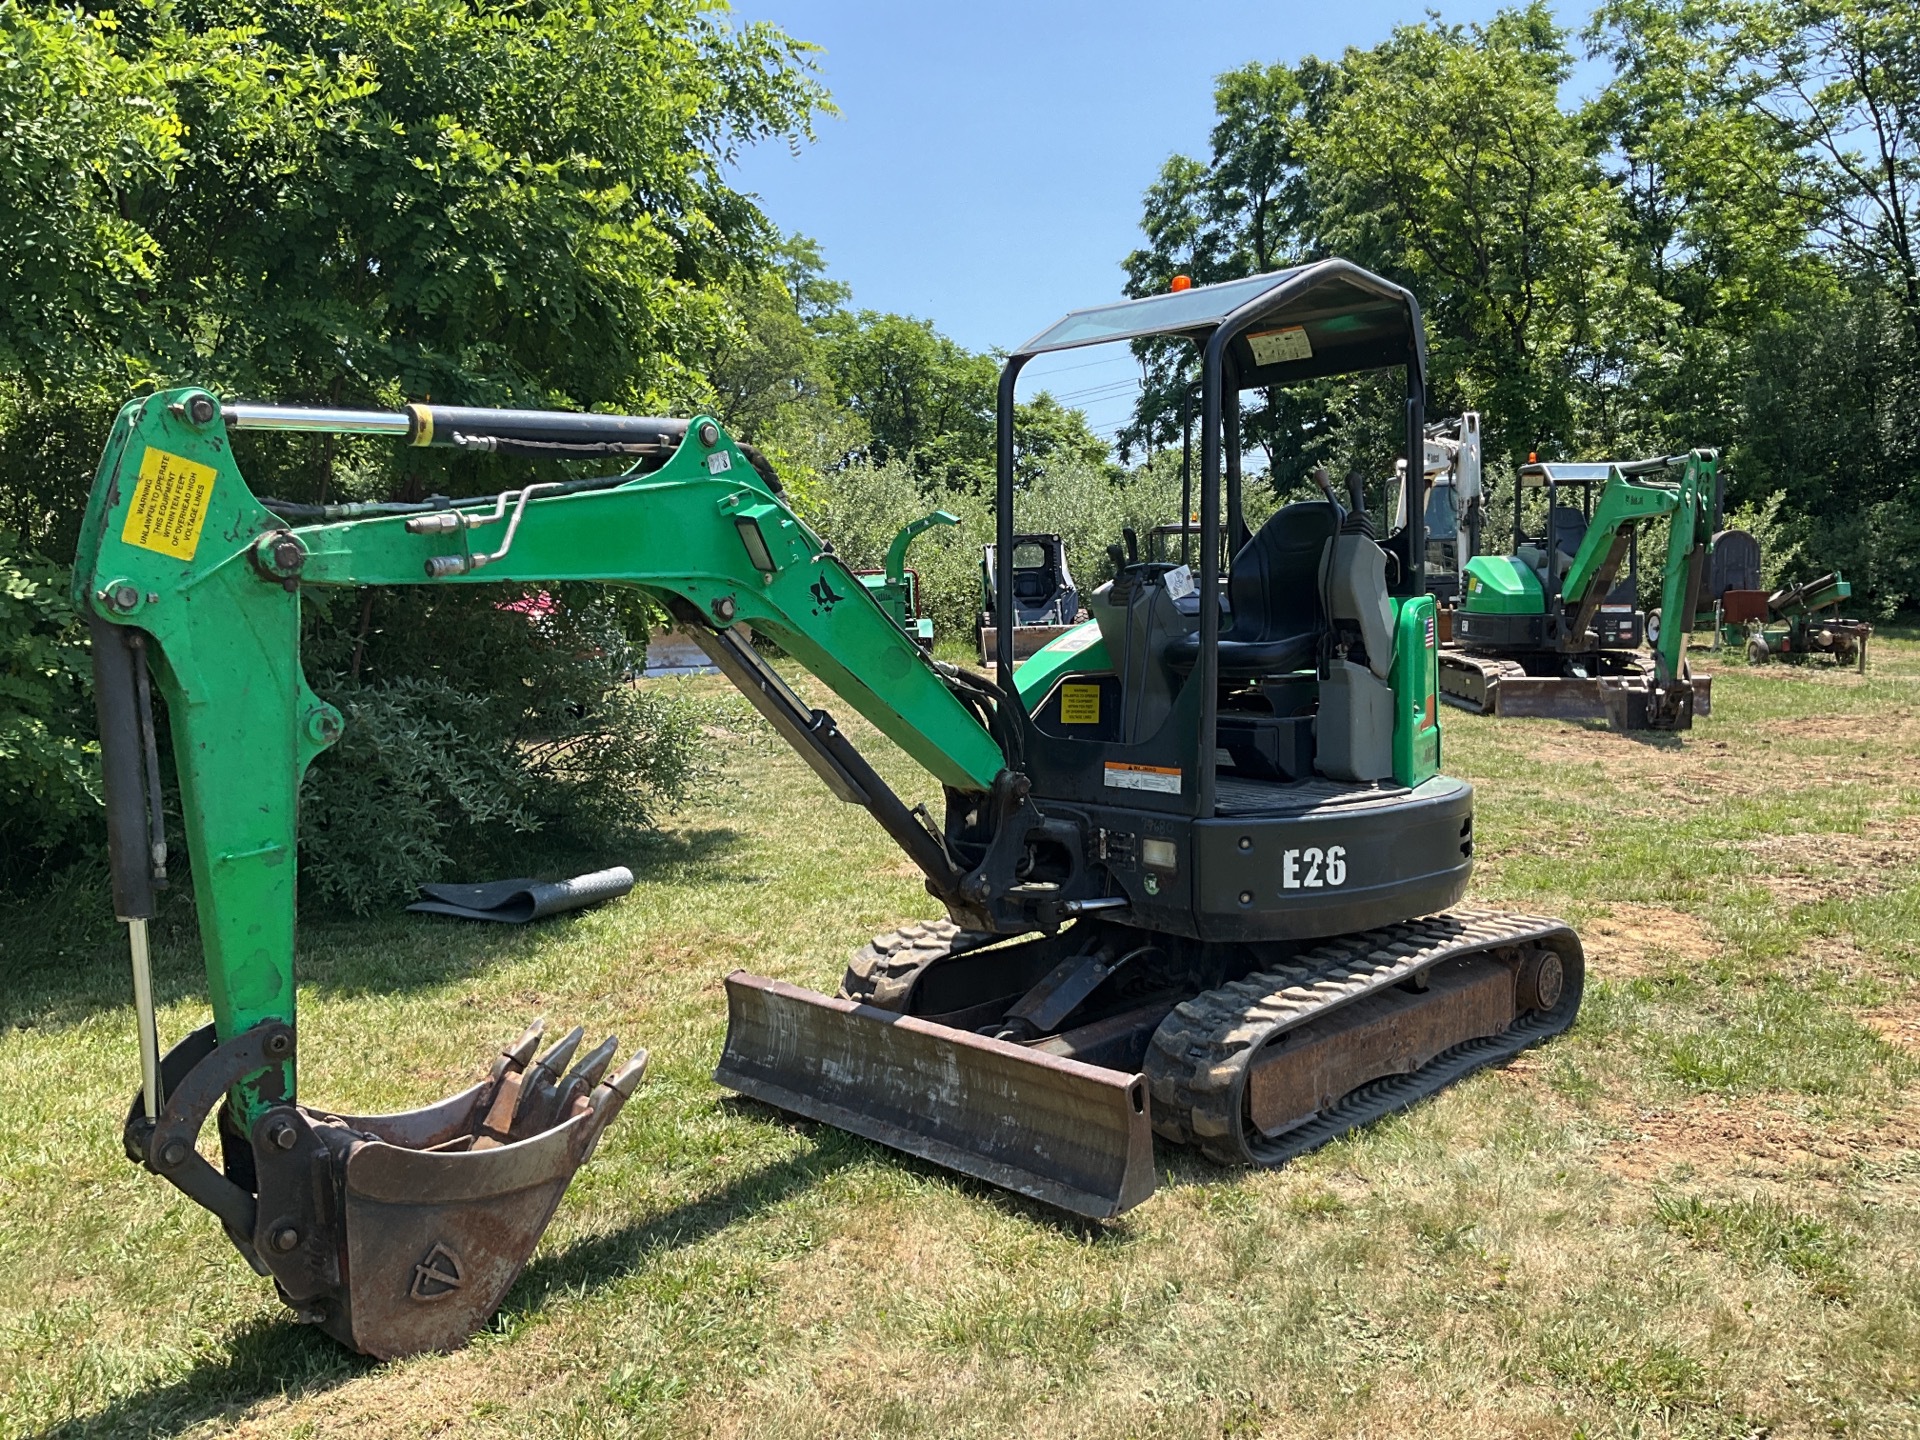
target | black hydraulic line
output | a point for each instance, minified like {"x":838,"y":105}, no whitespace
{"x":354,"y":510}
{"x":556,"y":449}
{"x":298,"y":510}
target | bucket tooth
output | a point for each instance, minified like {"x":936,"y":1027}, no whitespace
{"x":516,"y":1055}
{"x":1073,"y":1135}
{"x":538,"y":1104}
{"x":610,"y":1095}
{"x":584,"y":1076}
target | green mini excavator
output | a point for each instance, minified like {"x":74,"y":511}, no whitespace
{"x":1197,"y":863}
{"x":1554,"y":629}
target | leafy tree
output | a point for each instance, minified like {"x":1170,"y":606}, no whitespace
{"x":1446,"y":161}
{"x":1440,"y":158}
{"x":369,"y":201}
{"x":1048,"y":436}
{"x":921,"y":396}
{"x":1716,"y":250}
{"x":1768,"y":159}
{"x":1840,"y":81}
{"x":363,"y":202}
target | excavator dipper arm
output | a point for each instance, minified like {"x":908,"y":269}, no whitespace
{"x":1678,"y":488}
{"x":402,"y":1233}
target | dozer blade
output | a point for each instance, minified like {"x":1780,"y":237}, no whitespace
{"x":396,"y":1234}
{"x":1070,"y":1134}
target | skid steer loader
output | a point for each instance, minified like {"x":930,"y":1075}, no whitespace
{"x":1197,"y":864}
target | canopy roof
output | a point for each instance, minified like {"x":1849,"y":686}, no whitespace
{"x":1327,"y":318}
{"x":1589,"y":473}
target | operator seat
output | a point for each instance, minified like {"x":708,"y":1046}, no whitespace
{"x":1032,"y":587}
{"x":1568,"y":528}
{"x":1274,"y":588}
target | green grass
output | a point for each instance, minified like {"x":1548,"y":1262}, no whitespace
{"x":1696,"y":1214}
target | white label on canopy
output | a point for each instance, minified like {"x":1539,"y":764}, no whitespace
{"x":1271,"y":347}
{"x":1180,"y":582}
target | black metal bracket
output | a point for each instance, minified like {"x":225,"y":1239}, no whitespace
{"x":196,"y":1075}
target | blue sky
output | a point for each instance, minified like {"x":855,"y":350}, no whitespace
{"x":986,"y":169}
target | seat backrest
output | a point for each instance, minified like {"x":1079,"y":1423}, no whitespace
{"x":1031,"y":585}
{"x":1568,"y":527}
{"x":1275,"y":580}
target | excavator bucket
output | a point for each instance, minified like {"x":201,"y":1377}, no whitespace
{"x":396,"y":1234}
{"x":1074,"y":1135}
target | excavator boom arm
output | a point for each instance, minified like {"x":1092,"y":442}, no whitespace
{"x":178,"y":551}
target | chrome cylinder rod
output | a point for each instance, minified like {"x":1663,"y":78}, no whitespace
{"x":318,"y":419}
{"x":465,"y":427}
{"x":150,"y":1095}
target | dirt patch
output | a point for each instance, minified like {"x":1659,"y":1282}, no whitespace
{"x":1877,"y":726}
{"x":1804,"y":868}
{"x":1897,"y":1024}
{"x":1768,"y":757}
{"x":1635,"y":940}
{"x":1748,"y":1142}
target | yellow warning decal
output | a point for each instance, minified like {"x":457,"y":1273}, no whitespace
{"x":169,"y":504}
{"x":1079,"y":704}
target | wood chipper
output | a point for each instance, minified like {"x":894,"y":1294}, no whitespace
{"x":1196,"y":864}
{"x":1804,"y":620}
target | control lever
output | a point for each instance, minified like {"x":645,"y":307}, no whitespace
{"x":1357,"y":521}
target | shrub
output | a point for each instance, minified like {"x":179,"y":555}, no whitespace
{"x":477,"y":718}
{"x":862,"y":507}
{"x":609,"y":774}
{"x":49,"y":785}
{"x":420,"y":767}
{"x":469,"y":727}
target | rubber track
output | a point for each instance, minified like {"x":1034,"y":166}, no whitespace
{"x":1201,"y":1054}
{"x":882,"y":971}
